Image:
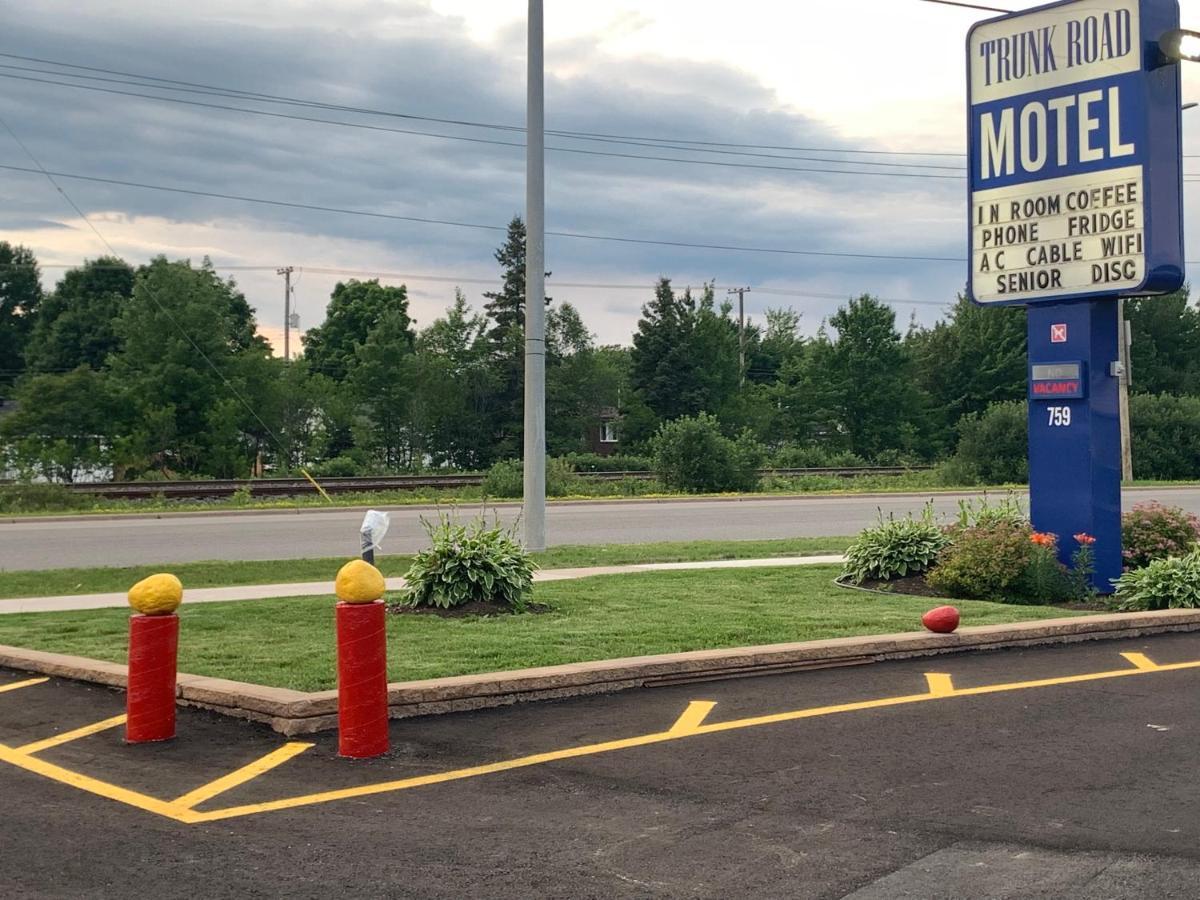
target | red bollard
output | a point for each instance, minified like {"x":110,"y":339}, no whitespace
{"x":150,"y":697}
{"x":362,"y":680}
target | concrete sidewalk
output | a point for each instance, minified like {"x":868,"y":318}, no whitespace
{"x":325,"y":588}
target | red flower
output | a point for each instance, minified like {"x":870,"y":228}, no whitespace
{"x":1084,"y":538}
{"x":1043,"y":538}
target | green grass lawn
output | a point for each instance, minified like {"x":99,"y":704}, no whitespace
{"x":53,"y":582}
{"x":289,"y":642}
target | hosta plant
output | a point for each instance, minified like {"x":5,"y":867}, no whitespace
{"x":469,"y":563}
{"x":895,"y":548}
{"x":1172,"y":583}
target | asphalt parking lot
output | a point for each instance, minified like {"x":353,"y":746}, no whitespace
{"x":1050,"y":772}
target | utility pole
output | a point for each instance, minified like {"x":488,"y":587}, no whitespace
{"x":286,"y":272}
{"x":1125,"y":338}
{"x":741,"y":292}
{"x":534,"y":501}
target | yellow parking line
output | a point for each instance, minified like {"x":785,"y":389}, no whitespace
{"x":94,"y":785}
{"x":662,"y":737}
{"x":242,"y":775}
{"x":1141,"y":660}
{"x":68,"y":736}
{"x":692,"y":717}
{"x":689,"y":724}
{"x":940,"y":684}
{"x":17,"y":685}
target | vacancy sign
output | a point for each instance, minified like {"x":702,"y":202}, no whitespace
{"x":1074,"y":138}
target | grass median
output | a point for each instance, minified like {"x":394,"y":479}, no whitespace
{"x":53,"y":582}
{"x":289,"y":642}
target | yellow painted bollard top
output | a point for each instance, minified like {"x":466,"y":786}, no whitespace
{"x":359,"y":582}
{"x":157,"y":595}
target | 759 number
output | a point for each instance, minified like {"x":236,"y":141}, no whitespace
{"x":1060,"y":416}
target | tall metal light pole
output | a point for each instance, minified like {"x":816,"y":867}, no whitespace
{"x":534,"y":506}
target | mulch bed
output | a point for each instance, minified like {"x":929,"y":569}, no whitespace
{"x":917,"y":586}
{"x":910,"y":584}
{"x":476,"y":608}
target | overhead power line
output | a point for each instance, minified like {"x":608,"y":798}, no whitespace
{"x":650,"y":143}
{"x":602,"y":137}
{"x":969,"y":5}
{"x":50,"y":176}
{"x":451,"y":223}
{"x":475,"y":140}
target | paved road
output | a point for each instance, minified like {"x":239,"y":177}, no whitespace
{"x":1063,"y":788}
{"x":36,"y":544}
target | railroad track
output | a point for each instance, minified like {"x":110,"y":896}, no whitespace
{"x":283,"y":487}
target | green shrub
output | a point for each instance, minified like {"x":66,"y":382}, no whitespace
{"x":984,"y":562}
{"x":895,"y":548}
{"x":594,"y":462}
{"x":993,"y":446}
{"x":467,"y":563}
{"x":26,"y":497}
{"x":1152,"y":531}
{"x":1172,"y":583}
{"x":1165,"y":432}
{"x":507,"y":479}
{"x":561,"y":480}
{"x":691,"y":454}
{"x":813,"y":456}
{"x":338,"y":467}
{"x":985,"y":510}
{"x":1002,"y":558}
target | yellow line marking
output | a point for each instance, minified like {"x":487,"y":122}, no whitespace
{"x":940,"y":684}
{"x":692,"y":717}
{"x":17,"y":685}
{"x":690,"y":724}
{"x":313,"y":481}
{"x":242,"y":775}
{"x":1142,"y":661}
{"x":95,"y":786}
{"x":68,"y":736}
{"x":661,"y":737}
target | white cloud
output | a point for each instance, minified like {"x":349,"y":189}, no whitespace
{"x":877,"y":73}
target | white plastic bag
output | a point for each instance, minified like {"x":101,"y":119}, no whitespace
{"x":374,"y":527}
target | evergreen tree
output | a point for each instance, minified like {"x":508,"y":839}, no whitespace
{"x":1165,"y":349}
{"x":854,"y":391}
{"x":20,"y":297}
{"x":505,"y":312}
{"x":381,"y":382}
{"x":454,"y":389}
{"x":355,"y":308}
{"x":974,"y":358}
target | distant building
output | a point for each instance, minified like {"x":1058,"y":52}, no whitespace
{"x":604,"y":438}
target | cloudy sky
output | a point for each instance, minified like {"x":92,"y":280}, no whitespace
{"x":800,"y":89}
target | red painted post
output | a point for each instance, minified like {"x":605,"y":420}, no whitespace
{"x":362,"y":680}
{"x":150,"y":696}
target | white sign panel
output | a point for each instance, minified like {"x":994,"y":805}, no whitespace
{"x":1065,"y":118}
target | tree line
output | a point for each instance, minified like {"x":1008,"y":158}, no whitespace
{"x":158,"y":371}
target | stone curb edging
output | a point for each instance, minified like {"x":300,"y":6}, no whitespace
{"x":294,"y":713}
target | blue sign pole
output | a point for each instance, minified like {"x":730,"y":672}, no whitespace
{"x":1075,"y":430}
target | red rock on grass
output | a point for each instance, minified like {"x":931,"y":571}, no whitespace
{"x":943,"y":619}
